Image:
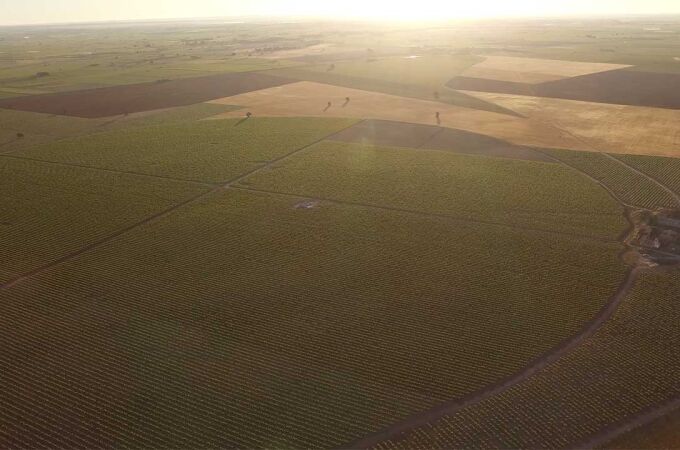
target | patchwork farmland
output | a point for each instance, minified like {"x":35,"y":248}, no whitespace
{"x":255,"y":236}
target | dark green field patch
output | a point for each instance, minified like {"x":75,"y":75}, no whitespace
{"x":629,"y":186}
{"x":39,"y":128}
{"x":664,"y":170}
{"x":523,"y":193}
{"x":243,"y":321}
{"x":211,"y":150}
{"x":628,"y":367}
{"x":48,"y":211}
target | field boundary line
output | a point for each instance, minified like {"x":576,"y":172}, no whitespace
{"x":430,"y":139}
{"x":609,"y":190}
{"x":101,"y":241}
{"x":103,"y":169}
{"x":424,"y":418}
{"x":272,"y":162}
{"x":675,"y":196}
{"x":642,"y":418}
{"x":158,"y":215}
{"x":426,"y":214}
{"x":588,"y":143}
{"x":585,"y":141}
{"x":2,"y":144}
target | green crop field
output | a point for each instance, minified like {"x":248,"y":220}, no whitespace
{"x":240,"y":320}
{"x":630,"y":364}
{"x":660,"y":434}
{"x":522,"y":193}
{"x":629,"y":186}
{"x":171,"y":280}
{"x":40,"y":128}
{"x":48,"y":211}
{"x":211,"y":150}
{"x":107,"y":63}
{"x":71,"y":76}
{"x":664,"y":170}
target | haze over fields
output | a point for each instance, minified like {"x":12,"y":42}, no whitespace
{"x":46,"y":11}
{"x":284,"y":226}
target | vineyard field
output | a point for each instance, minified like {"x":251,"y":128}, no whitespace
{"x":662,"y":433}
{"x":47,"y":210}
{"x":242,"y":320}
{"x":209,"y":151}
{"x":522,"y":193}
{"x":630,"y":364}
{"x":39,"y":128}
{"x":665,"y":170}
{"x":629,"y":186}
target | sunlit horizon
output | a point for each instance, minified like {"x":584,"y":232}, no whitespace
{"x":73,"y":11}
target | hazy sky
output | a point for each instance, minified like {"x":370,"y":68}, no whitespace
{"x":41,"y":11}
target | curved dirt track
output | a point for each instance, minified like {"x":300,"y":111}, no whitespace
{"x":392,"y":432}
{"x":643,"y":418}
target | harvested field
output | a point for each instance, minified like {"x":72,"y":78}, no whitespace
{"x":525,"y":194}
{"x":311,"y":99}
{"x":48,"y":211}
{"x":423,"y":92}
{"x":629,"y":365}
{"x":116,"y":100}
{"x":601,"y":127}
{"x":398,"y":134}
{"x":618,"y":87}
{"x":429,"y":71}
{"x":207,"y":151}
{"x":243,"y":322}
{"x":533,"y":70}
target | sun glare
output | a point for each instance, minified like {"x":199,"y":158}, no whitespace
{"x":415,"y":11}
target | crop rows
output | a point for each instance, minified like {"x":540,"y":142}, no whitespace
{"x":38,"y":128}
{"x":523,"y":193}
{"x":209,"y":150}
{"x":242,"y":321}
{"x":629,"y":186}
{"x":47,"y":210}
{"x":660,"y":433}
{"x":664,"y":170}
{"x":630,"y":364}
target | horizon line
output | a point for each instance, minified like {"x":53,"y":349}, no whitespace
{"x":312,"y":18}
